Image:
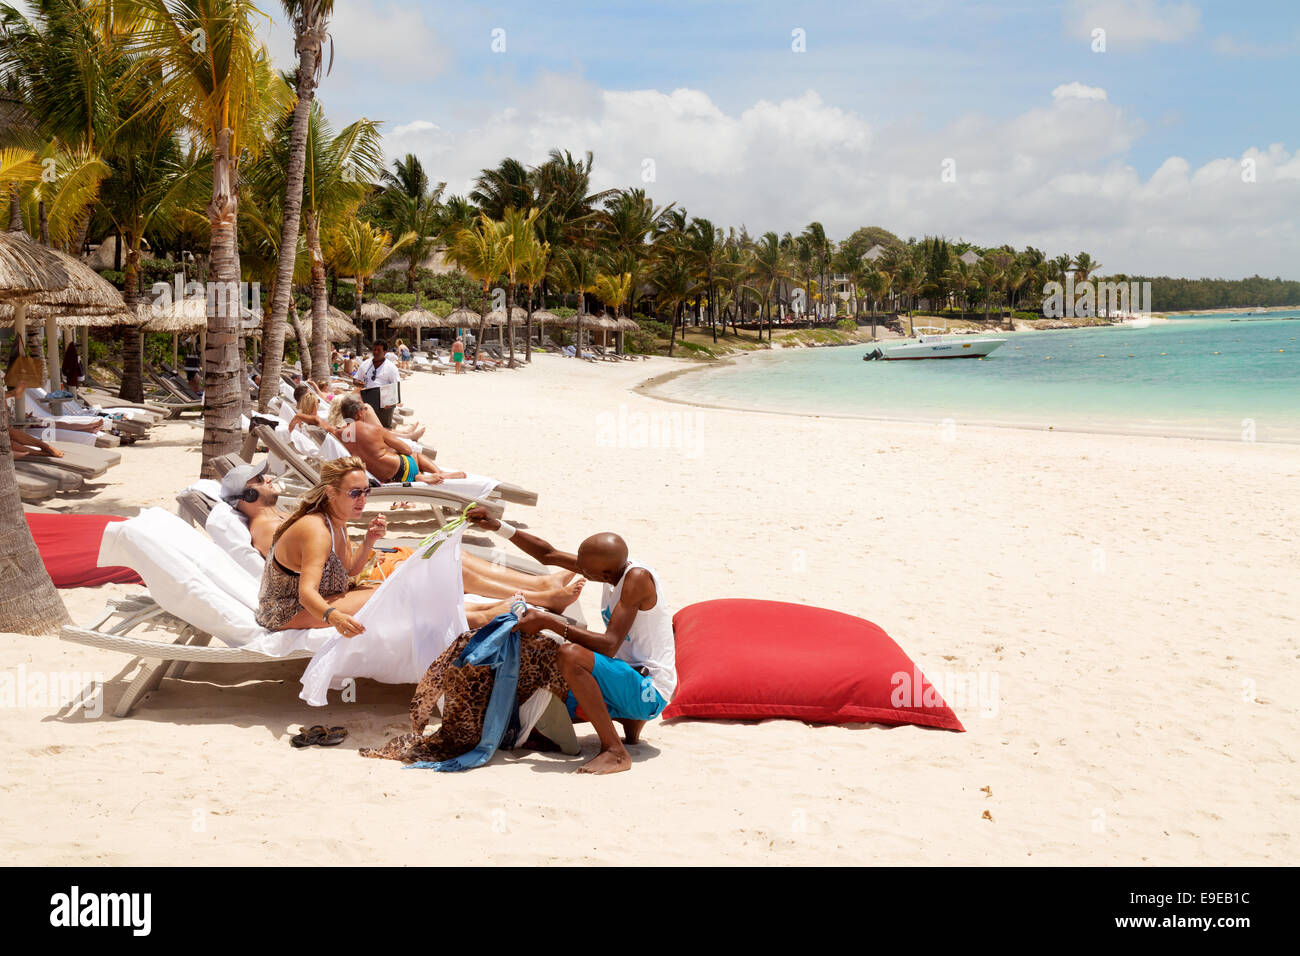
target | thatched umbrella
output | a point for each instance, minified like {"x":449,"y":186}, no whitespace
{"x":338,"y":327}
{"x":187,"y":316}
{"x":417,"y":319}
{"x":624,"y":324}
{"x":83,"y":289}
{"x":462,"y":317}
{"x":377,"y":312}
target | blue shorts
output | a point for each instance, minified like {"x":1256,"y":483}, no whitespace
{"x":628,"y":695}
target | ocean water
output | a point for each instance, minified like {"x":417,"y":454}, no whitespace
{"x":1227,"y":376}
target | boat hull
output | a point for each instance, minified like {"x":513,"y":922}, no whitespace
{"x":941,"y":350}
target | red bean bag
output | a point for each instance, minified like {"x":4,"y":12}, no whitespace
{"x":748,"y":659}
{"x":69,"y":546}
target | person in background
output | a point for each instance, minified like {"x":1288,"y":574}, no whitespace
{"x":458,"y":355}
{"x":192,"y":369}
{"x":376,"y":371}
{"x":71,"y":367}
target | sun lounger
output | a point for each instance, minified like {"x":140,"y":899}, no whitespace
{"x":85,"y":460}
{"x":107,"y":400}
{"x":37,"y":466}
{"x":200,"y":593}
{"x":33,"y":488}
{"x":307,"y":473}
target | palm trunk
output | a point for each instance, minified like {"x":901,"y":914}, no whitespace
{"x":29,"y":603}
{"x":223,"y":369}
{"x":528,"y":329}
{"x":482,"y":325}
{"x":510,"y":329}
{"x":319,"y":303}
{"x":132,"y":389}
{"x":282,"y":293}
{"x":304,"y":344}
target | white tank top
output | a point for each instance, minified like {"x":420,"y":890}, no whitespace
{"x":649,"y":641}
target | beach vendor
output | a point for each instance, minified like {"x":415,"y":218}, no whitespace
{"x":629,"y":672}
{"x":376,"y":372}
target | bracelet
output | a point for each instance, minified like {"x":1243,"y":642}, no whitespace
{"x":566,"y":629}
{"x":507,"y":530}
{"x":329,"y":610}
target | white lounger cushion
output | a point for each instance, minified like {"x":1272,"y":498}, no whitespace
{"x":231,"y":534}
{"x":191,"y":577}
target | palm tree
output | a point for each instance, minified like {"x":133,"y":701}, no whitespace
{"x":518,"y":227}
{"x":225,"y":88}
{"x":360,"y":250}
{"x":704,"y":245}
{"x":310,"y":28}
{"x":578,"y":271}
{"x":613,"y":290}
{"x":818,"y":248}
{"x":407,"y":204}
{"x":481,"y":251}
{"x":506,"y":187}
{"x":770,"y":269}
{"x":532,"y":270}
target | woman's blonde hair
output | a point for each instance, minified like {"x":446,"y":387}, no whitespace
{"x":315,"y":500}
{"x":308,"y":404}
{"x":335,"y":416}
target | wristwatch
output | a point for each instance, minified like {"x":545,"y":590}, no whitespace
{"x":328,"y":612}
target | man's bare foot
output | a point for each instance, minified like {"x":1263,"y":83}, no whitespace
{"x":416,"y":433}
{"x":402,"y":506}
{"x":607,"y":761}
{"x":557,"y":598}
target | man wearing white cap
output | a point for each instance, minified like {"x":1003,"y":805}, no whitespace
{"x":249,"y":491}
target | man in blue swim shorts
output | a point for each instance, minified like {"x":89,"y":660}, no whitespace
{"x":629,"y":672}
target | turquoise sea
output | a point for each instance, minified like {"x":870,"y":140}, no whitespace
{"x":1224,"y":376}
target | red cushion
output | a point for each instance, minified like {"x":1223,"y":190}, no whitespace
{"x":69,"y":546}
{"x":749,"y":659}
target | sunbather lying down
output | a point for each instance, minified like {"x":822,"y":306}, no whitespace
{"x":310,"y":561}
{"x":386,"y":456}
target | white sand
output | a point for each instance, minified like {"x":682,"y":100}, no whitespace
{"x":1134,"y":597}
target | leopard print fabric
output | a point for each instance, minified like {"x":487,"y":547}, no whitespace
{"x":467,"y":690}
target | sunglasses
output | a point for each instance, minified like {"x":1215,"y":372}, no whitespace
{"x":356,"y":493}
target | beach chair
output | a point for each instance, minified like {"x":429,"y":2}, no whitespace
{"x":307,"y":473}
{"x":105,"y":398}
{"x":167,"y":395}
{"x":34,"y":488}
{"x":410,"y":491}
{"x":38,"y":467}
{"x":86,"y":461}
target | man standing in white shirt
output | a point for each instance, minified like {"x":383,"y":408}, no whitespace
{"x":378,"y":370}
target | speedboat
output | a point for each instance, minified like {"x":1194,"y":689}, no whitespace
{"x":931,"y":343}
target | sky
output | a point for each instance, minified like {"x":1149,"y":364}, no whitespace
{"x":1159,"y":136}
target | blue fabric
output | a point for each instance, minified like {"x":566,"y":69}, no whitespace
{"x":495,"y":644}
{"x":627,"y":695}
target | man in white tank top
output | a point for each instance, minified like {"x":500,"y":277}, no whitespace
{"x":629,"y":672}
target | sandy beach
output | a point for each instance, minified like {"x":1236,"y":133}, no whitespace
{"x":1127,"y":605}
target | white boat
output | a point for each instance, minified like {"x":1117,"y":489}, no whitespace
{"x":932,"y":343}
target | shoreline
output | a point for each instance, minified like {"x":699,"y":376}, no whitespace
{"x":652,"y":388}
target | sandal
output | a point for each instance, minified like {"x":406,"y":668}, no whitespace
{"x":319,"y":735}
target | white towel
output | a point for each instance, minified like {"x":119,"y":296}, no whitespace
{"x":414,"y":617}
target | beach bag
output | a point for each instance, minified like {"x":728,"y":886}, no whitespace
{"x":24,"y":372}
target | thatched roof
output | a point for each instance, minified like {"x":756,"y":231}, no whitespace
{"x":69,"y":317}
{"x":462,"y":316}
{"x":377,"y":311}
{"x":544,"y":315}
{"x":625,"y":324}
{"x":86,"y":288}
{"x":338,"y":327}
{"x":970,"y":257}
{"x":418,"y":318}
{"x":30,"y":271}
{"x":186,"y":315}
{"x":498,"y":316}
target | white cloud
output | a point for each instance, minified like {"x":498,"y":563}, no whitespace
{"x":1131,"y":24}
{"x":1054,"y":177}
{"x":1078,"y":91}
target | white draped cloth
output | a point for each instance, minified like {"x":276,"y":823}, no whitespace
{"x":414,"y":617}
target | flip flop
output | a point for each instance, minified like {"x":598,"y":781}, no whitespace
{"x":319,"y":735}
